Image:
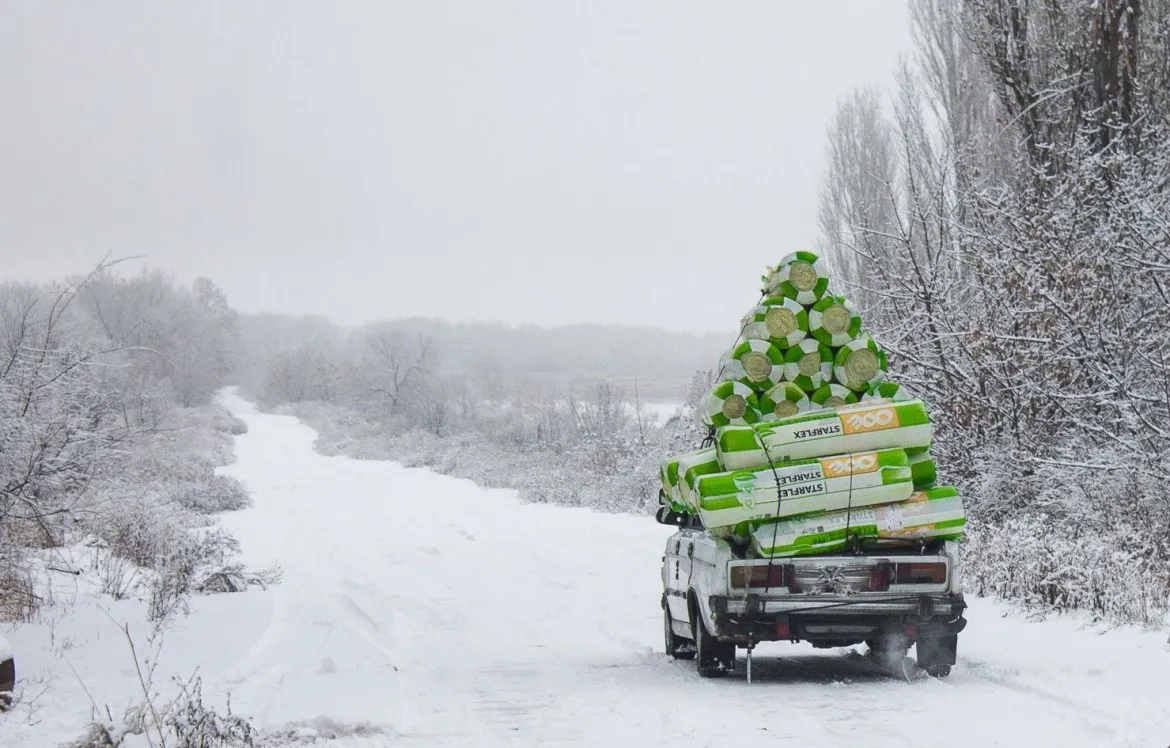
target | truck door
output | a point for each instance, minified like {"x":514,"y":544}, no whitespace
{"x":684,"y":548}
{"x":675,"y":580}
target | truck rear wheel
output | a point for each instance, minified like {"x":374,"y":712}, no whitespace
{"x":7,"y":683}
{"x":676,"y":646}
{"x":715,"y":658}
{"x":937,"y":655}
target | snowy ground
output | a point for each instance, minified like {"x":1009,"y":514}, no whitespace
{"x":421,"y":610}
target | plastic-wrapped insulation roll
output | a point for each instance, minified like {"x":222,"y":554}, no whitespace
{"x":779,"y":320}
{"x":834,"y":321}
{"x":833,"y":395}
{"x":860,"y":364}
{"x":935,"y":513}
{"x":762,"y":362}
{"x":819,"y":433}
{"x":808,"y":364}
{"x":731,"y":403}
{"x":785,"y":399}
{"x":798,"y":487}
{"x":801,"y":276}
{"x":922,"y":467}
{"x":671,"y":476}
{"x":887,"y":389}
{"x":691,"y":467}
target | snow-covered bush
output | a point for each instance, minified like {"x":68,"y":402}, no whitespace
{"x":18,"y":598}
{"x":139,"y":527}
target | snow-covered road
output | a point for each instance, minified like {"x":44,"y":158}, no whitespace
{"x":449,"y":615}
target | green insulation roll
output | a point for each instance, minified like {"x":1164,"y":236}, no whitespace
{"x":889,"y":390}
{"x":802,"y":486}
{"x":860,"y":364}
{"x":762,"y":364}
{"x":808,"y":364}
{"x":833,"y":396}
{"x":923,"y":468}
{"x":779,"y":320}
{"x":801,"y":276}
{"x":833,"y":321}
{"x":936,"y":513}
{"x":731,"y":403}
{"x":783,"y":400}
{"x":853,"y":428}
{"x":691,"y":467}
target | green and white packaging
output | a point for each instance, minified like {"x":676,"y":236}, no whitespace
{"x":762,"y":364}
{"x":670,"y":477}
{"x":889,"y":390}
{"x":923,"y":468}
{"x":731,"y":403}
{"x":833,"y":321}
{"x":779,"y":320}
{"x":783,"y":400}
{"x":853,"y":428}
{"x":808,"y":364}
{"x":803,"y":486}
{"x":833,"y":395}
{"x":937,"y":513}
{"x":801,"y":276}
{"x":860,"y":364}
{"x":691,"y":467}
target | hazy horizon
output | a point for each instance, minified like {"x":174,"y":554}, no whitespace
{"x":513,"y":162}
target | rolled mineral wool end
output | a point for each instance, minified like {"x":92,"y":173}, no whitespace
{"x":762,"y":362}
{"x":690,"y":467}
{"x":671,"y":478}
{"x":834,"y":321}
{"x":785,"y":399}
{"x":887,"y":389}
{"x":801,"y":276}
{"x":860,"y":364}
{"x":832,"y":396}
{"x":779,"y":320}
{"x":808,"y":364}
{"x":731,"y":403}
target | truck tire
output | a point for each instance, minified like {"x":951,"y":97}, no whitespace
{"x":715,"y":658}
{"x":676,"y":646}
{"x":937,"y":655}
{"x":7,"y":683}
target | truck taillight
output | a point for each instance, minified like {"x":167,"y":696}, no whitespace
{"x":775,"y":575}
{"x":920,"y":573}
{"x":879,"y":578}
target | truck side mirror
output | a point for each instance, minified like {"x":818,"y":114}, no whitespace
{"x":666,"y":516}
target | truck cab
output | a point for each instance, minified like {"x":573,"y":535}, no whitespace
{"x":889,"y":594}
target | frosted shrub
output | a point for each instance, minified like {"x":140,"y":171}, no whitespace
{"x":1118,"y":576}
{"x":180,"y":568}
{"x":218,"y":493}
{"x":140,"y":528}
{"x":18,"y":598}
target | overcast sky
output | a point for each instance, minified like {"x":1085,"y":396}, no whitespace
{"x":634,"y":161}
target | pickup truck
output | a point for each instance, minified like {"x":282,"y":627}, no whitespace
{"x":890,"y":594}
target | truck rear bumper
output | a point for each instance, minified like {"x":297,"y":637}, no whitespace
{"x":835,"y":621}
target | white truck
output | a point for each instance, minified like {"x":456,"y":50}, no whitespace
{"x":889,"y":594}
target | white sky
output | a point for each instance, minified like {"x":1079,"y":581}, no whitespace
{"x":632,"y":161}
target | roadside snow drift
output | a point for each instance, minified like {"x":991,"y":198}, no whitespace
{"x":420,"y":610}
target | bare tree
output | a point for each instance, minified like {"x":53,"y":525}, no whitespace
{"x":396,"y":362}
